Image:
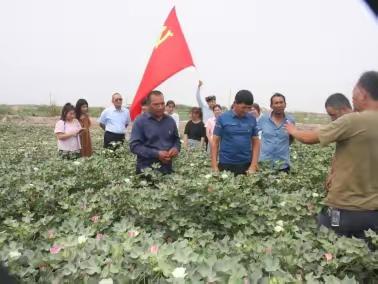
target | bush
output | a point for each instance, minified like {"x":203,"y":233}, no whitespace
{"x":94,"y":221}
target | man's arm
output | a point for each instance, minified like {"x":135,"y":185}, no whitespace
{"x":137,"y":141}
{"x":200,"y":100}
{"x":304,"y":136}
{"x":102,"y":119}
{"x":255,"y":154}
{"x":214,"y":152}
{"x":174,"y":151}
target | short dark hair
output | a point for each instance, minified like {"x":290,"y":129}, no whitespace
{"x":196,"y":110}
{"x":210,"y":98}
{"x":369,"y":82}
{"x":338,"y":101}
{"x":244,"y":97}
{"x":170,"y":102}
{"x":152,"y":93}
{"x":144,"y":102}
{"x":78,"y":106}
{"x":66,"y":109}
{"x":217,"y":106}
{"x":275,"y":95}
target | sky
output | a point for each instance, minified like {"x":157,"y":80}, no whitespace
{"x":71,"y":49}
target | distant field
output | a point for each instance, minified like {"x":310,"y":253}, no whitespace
{"x":183,"y":111}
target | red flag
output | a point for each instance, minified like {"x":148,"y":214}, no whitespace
{"x":170,"y":55}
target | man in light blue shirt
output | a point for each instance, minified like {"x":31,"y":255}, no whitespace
{"x":275,"y":141}
{"x":114,"y":120}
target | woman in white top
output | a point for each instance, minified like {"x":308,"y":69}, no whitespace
{"x":67,"y":131}
{"x":169,"y":109}
{"x":210,"y":123}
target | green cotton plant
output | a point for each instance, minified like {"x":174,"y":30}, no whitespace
{"x":94,"y":220}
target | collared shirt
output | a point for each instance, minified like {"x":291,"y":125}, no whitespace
{"x":275,"y":141}
{"x":355,"y":180}
{"x":206,"y":111}
{"x":235,"y":137}
{"x":72,"y":143}
{"x":115,"y":120}
{"x":149,"y":136}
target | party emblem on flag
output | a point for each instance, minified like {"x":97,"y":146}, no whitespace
{"x":170,"y":55}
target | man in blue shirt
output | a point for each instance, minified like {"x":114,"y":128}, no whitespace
{"x":114,"y":120}
{"x":154,"y":137}
{"x":275,"y":140}
{"x":236,"y":138}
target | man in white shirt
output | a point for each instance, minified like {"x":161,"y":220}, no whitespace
{"x":114,"y":120}
{"x":205,"y":103}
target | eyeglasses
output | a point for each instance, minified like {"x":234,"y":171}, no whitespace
{"x":117,"y":100}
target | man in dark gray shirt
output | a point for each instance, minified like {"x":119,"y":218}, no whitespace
{"x":154,"y":137}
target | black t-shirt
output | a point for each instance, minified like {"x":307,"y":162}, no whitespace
{"x":195,"y":131}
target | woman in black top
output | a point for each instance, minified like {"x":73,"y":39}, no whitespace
{"x":195,"y":132}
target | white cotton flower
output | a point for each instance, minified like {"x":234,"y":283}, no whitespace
{"x":14,"y":254}
{"x":133,"y":234}
{"x":35,"y":169}
{"x":106,"y":281}
{"x":315,"y":195}
{"x":143,"y":183}
{"x":30,"y":184}
{"x":208,"y":176}
{"x":81,"y":239}
{"x":224,"y":176}
{"x":127,"y":180}
{"x":179,"y":272}
{"x":278,"y":229}
{"x":76,"y":163}
{"x":191,"y":164}
{"x":280,"y":223}
{"x":283,"y":203}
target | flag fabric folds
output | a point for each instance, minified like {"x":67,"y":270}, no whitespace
{"x":170,"y":55}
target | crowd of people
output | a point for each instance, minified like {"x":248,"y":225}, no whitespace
{"x":240,"y":139}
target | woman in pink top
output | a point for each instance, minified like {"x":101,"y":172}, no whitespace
{"x":210,"y":123}
{"x":67,"y":131}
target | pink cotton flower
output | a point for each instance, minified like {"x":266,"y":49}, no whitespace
{"x":55,"y":249}
{"x":100,"y":236}
{"x":95,"y":218}
{"x":328,"y":256}
{"x":132,"y":234}
{"x":154,"y":249}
